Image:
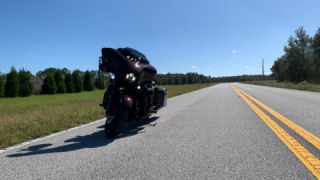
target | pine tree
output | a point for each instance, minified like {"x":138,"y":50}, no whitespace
{"x":49,"y":85}
{"x":69,"y":83}
{"x":1,"y":87}
{"x":12,"y":84}
{"x":87,"y":83}
{"x":61,"y":87}
{"x":77,"y":81}
{"x":25,"y":84}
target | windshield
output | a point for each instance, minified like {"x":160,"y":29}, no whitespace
{"x":132,"y":52}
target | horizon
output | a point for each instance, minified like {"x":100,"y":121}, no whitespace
{"x":107,"y":73}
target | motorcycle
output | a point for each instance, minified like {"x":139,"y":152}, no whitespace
{"x":130,"y":95}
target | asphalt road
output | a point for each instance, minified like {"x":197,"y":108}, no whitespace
{"x":207,"y":134}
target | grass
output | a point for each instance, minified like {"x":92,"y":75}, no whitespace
{"x":23,"y":119}
{"x":304,"y":86}
{"x":176,"y":90}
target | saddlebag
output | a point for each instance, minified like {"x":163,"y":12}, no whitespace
{"x":161,"y":96}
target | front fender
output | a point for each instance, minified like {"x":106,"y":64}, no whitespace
{"x":126,"y":100}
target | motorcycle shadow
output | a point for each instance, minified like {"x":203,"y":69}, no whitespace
{"x":131,"y":129}
{"x":94,"y":140}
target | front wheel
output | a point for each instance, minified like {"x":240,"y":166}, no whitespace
{"x":115,"y":122}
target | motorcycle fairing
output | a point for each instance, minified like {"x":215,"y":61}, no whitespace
{"x":114,"y":61}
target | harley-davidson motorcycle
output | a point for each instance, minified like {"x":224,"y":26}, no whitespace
{"x":130,"y":95}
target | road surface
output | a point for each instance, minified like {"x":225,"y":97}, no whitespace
{"x":215,"y":133}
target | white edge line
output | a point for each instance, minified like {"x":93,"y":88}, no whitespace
{"x":48,"y":136}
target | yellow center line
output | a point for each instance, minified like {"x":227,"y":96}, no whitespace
{"x":307,"y":158}
{"x":314,"y":140}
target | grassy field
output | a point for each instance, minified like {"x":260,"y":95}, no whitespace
{"x":176,"y":90}
{"x":23,"y":119}
{"x":299,"y":86}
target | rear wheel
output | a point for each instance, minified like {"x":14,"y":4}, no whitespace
{"x":115,"y":122}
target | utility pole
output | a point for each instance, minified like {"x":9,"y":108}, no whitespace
{"x":262,"y":67}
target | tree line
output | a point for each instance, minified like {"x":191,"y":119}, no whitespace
{"x":195,"y":78}
{"x":63,"y":81}
{"x":17,"y":84}
{"x":301,"y":59}
{"x":54,"y":81}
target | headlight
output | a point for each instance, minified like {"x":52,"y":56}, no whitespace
{"x":130,"y":77}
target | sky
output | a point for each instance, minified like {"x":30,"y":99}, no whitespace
{"x":210,"y":37}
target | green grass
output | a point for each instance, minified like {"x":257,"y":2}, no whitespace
{"x":23,"y":119}
{"x":176,"y":90}
{"x":304,"y":86}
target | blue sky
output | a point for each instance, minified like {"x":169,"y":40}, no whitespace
{"x":217,"y":38}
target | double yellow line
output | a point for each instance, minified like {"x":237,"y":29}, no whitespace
{"x":307,"y":158}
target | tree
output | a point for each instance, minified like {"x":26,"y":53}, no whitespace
{"x":279,"y":69}
{"x":94,"y":74}
{"x":12,"y":84}
{"x":184,"y":80}
{"x":49,"y":71}
{"x":1,"y":87}
{"x":313,"y":66}
{"x":99,"y":81}
{"x":64,"y":72}
{"x":296,"y":54}
{"x":301,"y":60}
{"x":316,"y":43}
{"x":61,"y":87}
{"x":77,"y":81}
{"x":87,"y":82}
{"x":25,"y":84}
{"x":49,"y":85}
{"x":80,"y":73}
{"x":69,"y":83}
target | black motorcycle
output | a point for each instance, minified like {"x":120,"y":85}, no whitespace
{"x":130,"y":95}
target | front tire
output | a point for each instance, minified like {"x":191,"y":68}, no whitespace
{"x":114,"y":123}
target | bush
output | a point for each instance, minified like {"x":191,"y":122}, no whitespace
{"x":25,"y":84}
{"x":87,"y":82}
{"x":12,"y":84}
{"x":49,"y":85}
{"x":77,"y":81}
{"x":61,"y":87}
{"x":69,"y":83}
{"x":1,"y":87}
